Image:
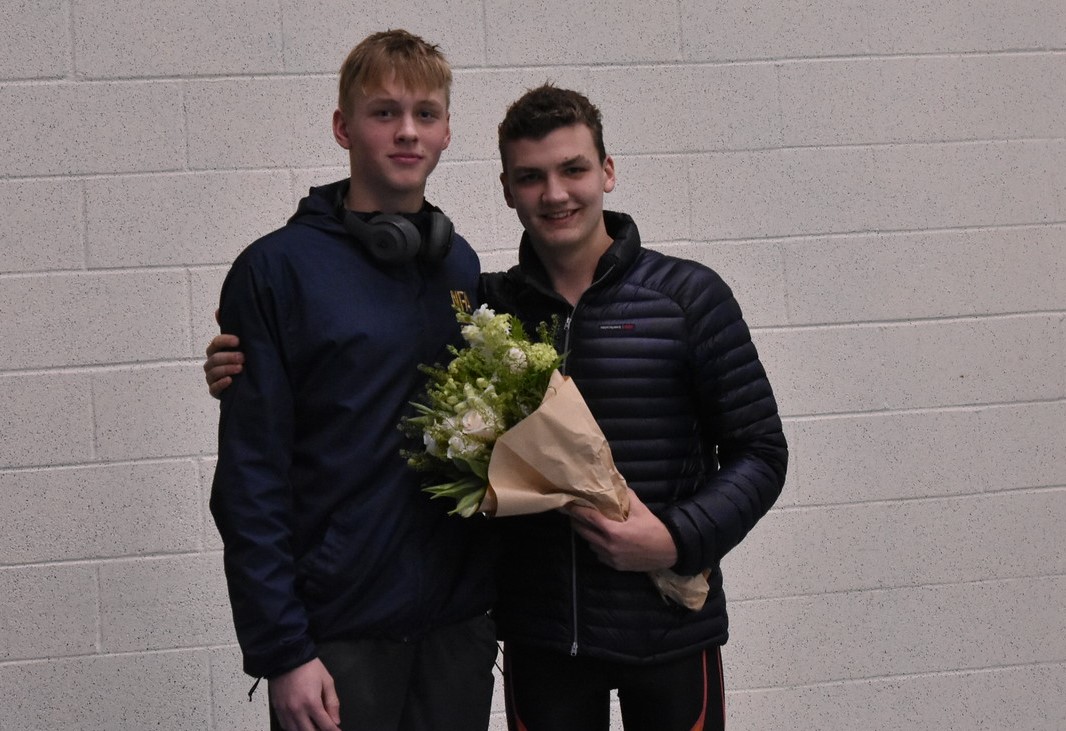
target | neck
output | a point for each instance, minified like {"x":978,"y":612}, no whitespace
{"x":365,"y":201}
{"x":571,"y":271}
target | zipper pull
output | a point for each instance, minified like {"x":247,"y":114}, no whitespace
{"x":573,"y":649}
{"x":566,"y":325}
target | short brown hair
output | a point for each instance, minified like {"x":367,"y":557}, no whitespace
{"x":415,"y":63}
{"x":541,"y":111}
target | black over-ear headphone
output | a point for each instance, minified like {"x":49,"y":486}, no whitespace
{"x":394,"y":239}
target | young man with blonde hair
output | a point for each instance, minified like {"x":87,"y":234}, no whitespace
{"x":355,"y":596}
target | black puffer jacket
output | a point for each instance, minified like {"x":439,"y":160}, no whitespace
{"x":660,"y":352}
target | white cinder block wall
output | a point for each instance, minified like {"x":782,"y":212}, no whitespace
{"x":884,"y":184}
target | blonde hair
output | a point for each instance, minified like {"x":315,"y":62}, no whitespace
{"x":411,"y":61}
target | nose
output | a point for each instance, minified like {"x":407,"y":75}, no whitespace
{"x":408,"y":130}
{"x":553,"y":192}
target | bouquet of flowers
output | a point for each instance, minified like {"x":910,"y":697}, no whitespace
{"x":493,"y":383}
{"x":513,"y":436}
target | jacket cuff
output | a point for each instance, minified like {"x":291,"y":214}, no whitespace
{"x":689,"y":556}
{"x":279,"y":660}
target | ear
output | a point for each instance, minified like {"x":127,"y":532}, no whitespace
{"x":340,"y":130}
{"x":506,"y":190}
{"x":448,"y":128}
{"x":609,"y":180}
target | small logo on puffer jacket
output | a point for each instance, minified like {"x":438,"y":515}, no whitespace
{"x":624,"y":326}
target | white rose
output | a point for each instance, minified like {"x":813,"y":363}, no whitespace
{"x":475,"y":426}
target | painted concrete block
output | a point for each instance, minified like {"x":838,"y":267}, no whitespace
{"x":895,"y":544}
{"x":634,"y":33}
{"x":49,"y":611}
{"x":923,"y":629}
{"x":98,"y":512}
{"x":319,"y":41}
{"x":45,"y":419}
{"x":123,"y":38}
{"x":182,"y":219}
{"x":206,"y":286}
{"x":471,"y":194}
{"x":231,"y":708}
{"x":688,"y":108}
{"x":654,"y":191}
{"x":738,"y":30}
{"x":160,"y":603}
{"x":480,"y":99}
{"x":156,"y":411}
{"x":36,"y":39}
{"x":905,"y":456}
{"x":43,"y":225}
{"x":902,"y":276}
{"x":210,"y":539}
{"x":168,"y":690}
{"x":264,"y":122}
{"x":112,"y":127}
{"x":86,"y":319}
{"x":1026,"y":697}
{"x":925,"y":364}
{"x":883,"y":188}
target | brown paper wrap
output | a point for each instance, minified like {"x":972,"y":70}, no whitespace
{"x":558,"y":455}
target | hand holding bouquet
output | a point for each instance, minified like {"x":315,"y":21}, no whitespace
{"x":514,"y":436}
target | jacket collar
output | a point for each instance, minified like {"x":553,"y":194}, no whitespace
{"x":621,"y":254}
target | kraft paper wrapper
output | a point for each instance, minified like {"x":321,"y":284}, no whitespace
{"x":558,"y":455}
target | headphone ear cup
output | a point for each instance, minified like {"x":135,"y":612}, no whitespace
{"x":389,"y":238}
{"x":439,"y":241}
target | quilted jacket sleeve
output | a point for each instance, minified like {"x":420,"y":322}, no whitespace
{"x":739,"y":422}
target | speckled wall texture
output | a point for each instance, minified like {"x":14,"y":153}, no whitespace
{"x":883,"y":184}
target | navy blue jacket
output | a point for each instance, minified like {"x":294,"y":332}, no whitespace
{"x":659,"y":350}
{"x":327,"y":534}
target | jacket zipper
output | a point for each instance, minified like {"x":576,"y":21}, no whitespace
{"x":573,"y":540}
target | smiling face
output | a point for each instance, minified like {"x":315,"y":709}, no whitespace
{"x":394,"y":136}
{"x":556,"y":186}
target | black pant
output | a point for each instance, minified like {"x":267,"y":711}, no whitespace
{"x":441,"y":681}
{"x":552,"y":691}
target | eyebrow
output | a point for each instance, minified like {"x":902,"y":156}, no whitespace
{"x":575,"y":160}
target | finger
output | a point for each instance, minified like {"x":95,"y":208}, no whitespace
{"x":220,"y":364}
{"x":331,"y":702}
{"x":322,"y":721}
{"x":224,"y":341}
{"x":582,"y":514}
{"x":217,"y":387}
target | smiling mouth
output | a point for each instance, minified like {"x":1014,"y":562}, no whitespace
{"x":558,"y":215}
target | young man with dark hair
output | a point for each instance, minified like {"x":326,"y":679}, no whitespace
{"x":356,"y":597}
{"x":659,"y":349}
